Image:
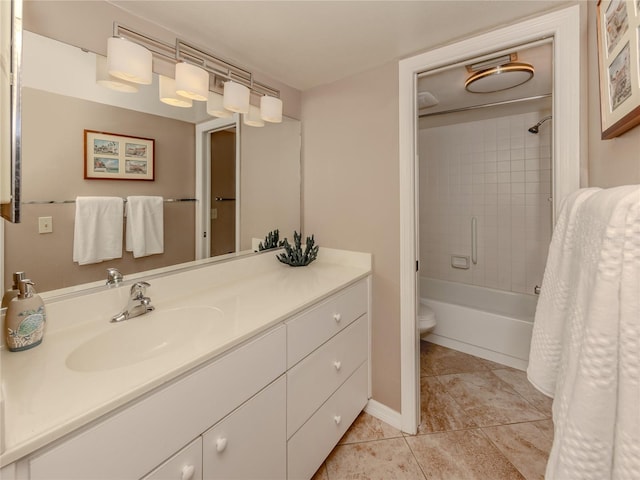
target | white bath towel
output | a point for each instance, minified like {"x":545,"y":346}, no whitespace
{"x":97,"y":234}
{"x":145,"y":225}
{"x":586,"y":336}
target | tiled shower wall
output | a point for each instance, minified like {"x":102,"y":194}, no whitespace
{"x":499,"y":173}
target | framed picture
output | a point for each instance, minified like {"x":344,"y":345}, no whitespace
{"x":109,"y":156}
{"x":619,"y":65}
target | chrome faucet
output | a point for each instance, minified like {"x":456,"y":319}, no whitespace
{"x":137,"y":305}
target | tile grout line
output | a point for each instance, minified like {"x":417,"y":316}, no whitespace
{"x":415,"y":458}
{"x":501,"y":451}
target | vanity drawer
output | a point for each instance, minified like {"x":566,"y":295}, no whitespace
{"x":316,"y":377}
{"x":309,"y":447}
{"x":184,"y":465}
{"x":138,"y":438}
{"x":314,"y":327}
{"x":251,"y":442}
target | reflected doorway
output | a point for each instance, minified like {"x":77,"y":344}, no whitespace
{"x":222,"y":226}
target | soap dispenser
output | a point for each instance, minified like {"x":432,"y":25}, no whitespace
{"x":13,"y":293}
{"x":25,"y":319}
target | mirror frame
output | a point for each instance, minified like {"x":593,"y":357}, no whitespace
{"x":12,"y":84}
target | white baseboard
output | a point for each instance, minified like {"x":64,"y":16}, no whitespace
{"x":384,"y":413}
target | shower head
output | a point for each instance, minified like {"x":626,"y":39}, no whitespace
{"x":536,"y":127}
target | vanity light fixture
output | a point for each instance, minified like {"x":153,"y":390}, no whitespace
{"x":103,"y":78}
{"x":129,"y":61}
{"x":271,"y":109}
{"x":252,"y":117}
{"x":168,"y":94}
{"x":501,"y":77}
{"x":196,"y":70}
{"x":215,"y":107}
{"x":192,"y":82}
{"x":236,"y":97}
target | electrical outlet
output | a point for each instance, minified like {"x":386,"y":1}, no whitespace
{"x":45,"y":224}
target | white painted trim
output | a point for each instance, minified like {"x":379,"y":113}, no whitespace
{"x":384,"y":413}
{"x":203,"y":192}
{"x":564,"y":26}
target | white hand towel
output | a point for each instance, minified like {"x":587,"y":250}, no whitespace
{"x":97,"y":234}
{"x":145,"y":225}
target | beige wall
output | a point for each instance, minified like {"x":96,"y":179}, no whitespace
{"x":351,"y":196}
{"x":53,"y":161}
{"x":611,"y":162}
{"x":269,"y":180}
{"x":350,"y":163}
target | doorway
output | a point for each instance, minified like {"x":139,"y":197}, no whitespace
{"x":222,"y":227}
{"x":564,"y":27}
{"x":217,"y":187}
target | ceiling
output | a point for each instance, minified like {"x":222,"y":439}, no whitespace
{"x":309,"y":43}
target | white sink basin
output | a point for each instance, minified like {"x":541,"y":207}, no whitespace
{"x":147,"y":336}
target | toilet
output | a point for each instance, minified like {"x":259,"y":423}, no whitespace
{"x":426,"y":319}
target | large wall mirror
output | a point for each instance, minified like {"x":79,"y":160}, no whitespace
{"x":60,"y":99}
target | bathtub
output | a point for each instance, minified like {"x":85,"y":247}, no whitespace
{"x":491,"y":324}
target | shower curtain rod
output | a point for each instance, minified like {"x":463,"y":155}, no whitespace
{"x":484,"y":105}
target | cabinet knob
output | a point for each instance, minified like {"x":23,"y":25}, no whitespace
{"x":338,"y":365}
{"x":221,"y":444}
{"x":337,"y":317}
{"x":337,"y":419}
{"x":187,"y":472}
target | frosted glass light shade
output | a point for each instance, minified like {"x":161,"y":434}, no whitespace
{"x":192,"y":82}
{"x":215,"y":107}
{"x":103,"y":78}
{"x":168,"y":95}
{"x":129,"y":61}
{"x":236,"y":97}
{"x":252,"y":118}
{"x":271,"y":109}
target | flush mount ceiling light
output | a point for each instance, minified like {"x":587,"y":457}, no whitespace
{"x":252,"y":118}
{"x":271,"y":109}
{"x":168,"y":94}
{"x":103,"y":78}
{"x":192,"y":82}
{"x":215,"y":107}
{"x":236,"y":97}
{"x":499,"y":78}
{"x":129,"y":61}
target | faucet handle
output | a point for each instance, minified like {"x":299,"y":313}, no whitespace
{"x":139,"y":287}
{"x":114,"y":277}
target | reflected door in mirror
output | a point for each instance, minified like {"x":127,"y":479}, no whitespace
{"x":223,"y":192}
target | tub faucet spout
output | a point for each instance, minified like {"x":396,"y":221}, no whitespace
{"x":138,"y":303}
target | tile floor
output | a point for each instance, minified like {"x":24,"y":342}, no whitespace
{"x":480,"y":420}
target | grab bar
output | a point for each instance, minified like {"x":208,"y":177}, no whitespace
{"x":474,"y":240}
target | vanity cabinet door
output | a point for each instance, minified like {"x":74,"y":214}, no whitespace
{"x":250,"y":443}
{"x":184,"y":465}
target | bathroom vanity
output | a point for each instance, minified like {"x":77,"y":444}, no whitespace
{"x":246,"y":369}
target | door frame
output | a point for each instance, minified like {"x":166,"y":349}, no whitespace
{"x":203,"y":182}
{"x":568,"y":133}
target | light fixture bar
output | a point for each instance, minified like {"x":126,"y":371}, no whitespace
{"x":157,"y":47}
{"x":184,"y":51}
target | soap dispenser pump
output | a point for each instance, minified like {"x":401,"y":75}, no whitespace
{"x":13,"y":293}
{"x":25,"y":318}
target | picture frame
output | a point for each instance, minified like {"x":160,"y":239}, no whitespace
{"x":618,"y":32}
{"x":112,"y":156}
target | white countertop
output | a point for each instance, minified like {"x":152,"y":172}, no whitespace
{"x":44,"y":399}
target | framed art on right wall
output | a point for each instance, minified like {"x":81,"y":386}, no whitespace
{"x":619,"y":65}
